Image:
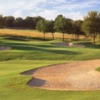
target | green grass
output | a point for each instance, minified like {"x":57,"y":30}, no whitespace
{"x":98,"y":69}
{"x":26,"y":55}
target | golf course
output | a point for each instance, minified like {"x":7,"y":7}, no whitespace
{"x":49,"y":49}
{"x":34,"y":53}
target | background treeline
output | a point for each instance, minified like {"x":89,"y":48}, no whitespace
{"x":90,"y":26}
{"x":11,"y":22}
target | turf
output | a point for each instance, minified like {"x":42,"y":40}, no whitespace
{"x":98,"y":68}
{"x":27,"y":55}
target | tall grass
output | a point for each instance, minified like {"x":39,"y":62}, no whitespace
{"x":32,"y":33}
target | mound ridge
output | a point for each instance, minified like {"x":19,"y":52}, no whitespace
{"x":78,"y":76}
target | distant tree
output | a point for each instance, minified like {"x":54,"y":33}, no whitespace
{"x":69,"y":26}
{"x":29,"y":22}
{"x":36,"y":20}
{"x":98,"y":26}
{"x":2,"y":22}
{"x":50,"y":27}
{"x":91,"y":24}
{"x":19,"y":22}
{"x":9,"y":21}
{"x":46,"y":26}
{"x":77,"y":28}
{"x":60,"y":24}
{"x":41,"y":26}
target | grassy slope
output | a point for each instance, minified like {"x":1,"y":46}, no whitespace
{"x":13,"y":85}
{"x":28,"y":55}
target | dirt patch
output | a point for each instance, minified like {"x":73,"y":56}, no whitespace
{"x":78,"y":76}
{"x":68,"y":44}
{"x":5,"y":48}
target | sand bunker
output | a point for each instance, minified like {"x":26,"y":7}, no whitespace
{"x":5,"y":48}
{"x":68,"y":44}
{"x":78,"y":76}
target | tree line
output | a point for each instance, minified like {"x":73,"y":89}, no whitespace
{"x":90,"y":26}
{"x":11,"y":22}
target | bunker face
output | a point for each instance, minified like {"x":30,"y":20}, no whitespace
{"x":70,"y":76}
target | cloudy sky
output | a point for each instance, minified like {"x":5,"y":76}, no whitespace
{"x":48,"y":9}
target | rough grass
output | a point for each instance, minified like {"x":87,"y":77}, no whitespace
{"x":32,"y":34}
{"x":98,"y":69}
{"x":26,"y":33}
{"x":27,"y":55}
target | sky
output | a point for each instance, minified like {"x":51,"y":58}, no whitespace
{"x":49,"y":9}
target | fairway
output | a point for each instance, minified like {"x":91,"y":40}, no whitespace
{"x":26,"y":55}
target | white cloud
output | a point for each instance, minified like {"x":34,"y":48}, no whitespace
{"x":46,"y":8}
{"x":48,"y":14}
{"x":18,"y":13}
{"x":74,"y":15}
{"x":73,"y":5}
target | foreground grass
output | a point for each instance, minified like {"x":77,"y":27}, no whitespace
{"x":27,"y":55}
{"x":13,"y":85}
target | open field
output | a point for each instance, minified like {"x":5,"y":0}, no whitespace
{"x":31,"y":33}
{"x":26,"y":55}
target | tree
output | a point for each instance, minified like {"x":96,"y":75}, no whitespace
{"x":77,"y":28}
{"x":69,"y":26}
{"x":91,"y":24}
{"x":29,"y":22}
{"x":19,"y":22}
{"x":46,"y":26}
{"x":60,"y":24}
{"x":36,"y":20}
{"x":50,"y":27}
{"x":2,"y":22}
{"x":9,"y":21}
{"x":41,"y":26}
{"x":99,"y":29}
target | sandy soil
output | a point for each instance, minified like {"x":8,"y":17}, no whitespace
{"x":68,"y":44}
{"x":4,"y":48}
{"x":78,"y":76}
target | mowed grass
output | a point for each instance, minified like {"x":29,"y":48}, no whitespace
{"x":26,"y":55}
{"x":13,"y":85}
{"x":45,"y":50}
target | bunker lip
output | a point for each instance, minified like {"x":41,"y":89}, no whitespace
{"x":76,"y":76}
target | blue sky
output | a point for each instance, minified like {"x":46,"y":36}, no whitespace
{"x":48,"y":9}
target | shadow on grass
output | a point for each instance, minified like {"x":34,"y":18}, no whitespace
{"x":24,"y":38}
{"x":90,"y":45}
{"x":39,"y":48}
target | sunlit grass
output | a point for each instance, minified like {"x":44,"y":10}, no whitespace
{"x":32,"y":33}
{"x":26,"y":55}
